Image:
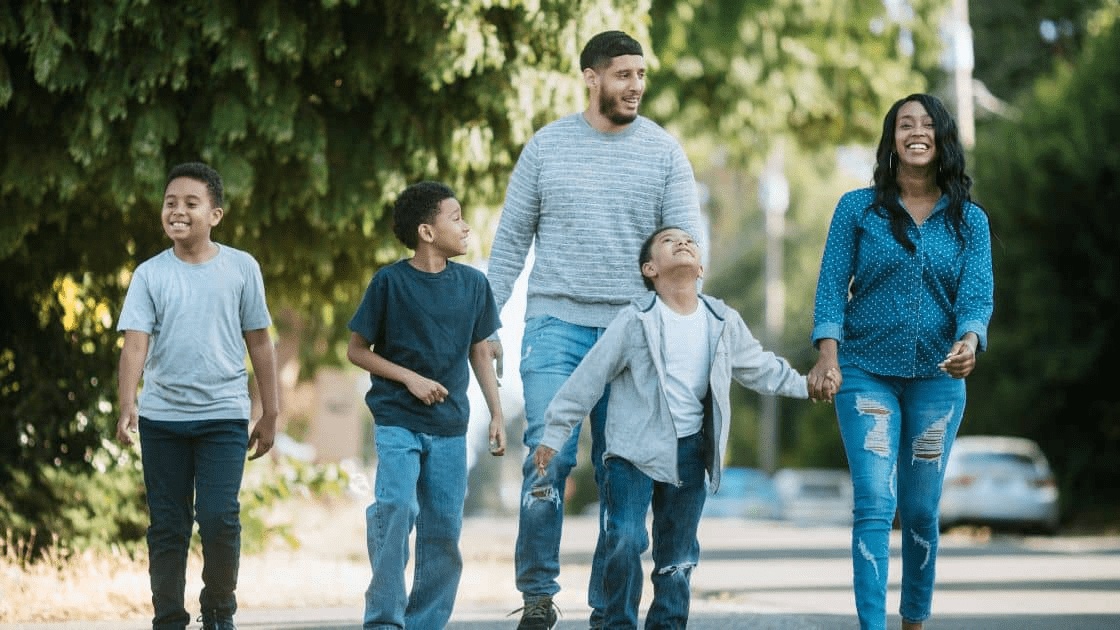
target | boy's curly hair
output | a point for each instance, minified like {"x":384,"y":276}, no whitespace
{"x":418,"y":204}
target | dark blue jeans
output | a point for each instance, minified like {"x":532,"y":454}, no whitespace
{"x":628,"y":495}
{"x":193,"y":470}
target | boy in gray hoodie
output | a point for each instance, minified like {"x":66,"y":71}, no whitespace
{"x":669,"y":358}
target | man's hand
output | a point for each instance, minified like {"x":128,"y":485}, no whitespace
{"x":496,"y":354}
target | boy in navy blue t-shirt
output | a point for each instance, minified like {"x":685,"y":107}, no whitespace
{"x":420,"y":321}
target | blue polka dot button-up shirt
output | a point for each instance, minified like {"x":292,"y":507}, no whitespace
{"x":897,"y":313}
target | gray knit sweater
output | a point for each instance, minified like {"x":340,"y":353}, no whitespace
{"x":589,"y":199}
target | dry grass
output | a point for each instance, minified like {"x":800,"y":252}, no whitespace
{"x":330,"y":569}
{"x":325,"y":571}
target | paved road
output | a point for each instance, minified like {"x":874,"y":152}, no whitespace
{"x":755,"y":576}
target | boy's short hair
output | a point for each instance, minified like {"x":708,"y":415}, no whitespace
{"x":645,"y":254}
{"x":200,"y":172}
{"x":600,"y":49}
{"x":418,"y":204}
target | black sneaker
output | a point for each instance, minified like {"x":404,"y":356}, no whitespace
{"x":214,"y":620}
{"x":538,"y":614}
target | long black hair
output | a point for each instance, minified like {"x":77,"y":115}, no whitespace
{"x":951,"y":177}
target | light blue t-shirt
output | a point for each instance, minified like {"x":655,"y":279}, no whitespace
{"x":196,"y":316}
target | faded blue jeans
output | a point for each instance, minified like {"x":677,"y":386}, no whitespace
{"x":193,"y":470}
{"x":550,"y":351}
{"x":897,"y":433}
{"x":628,"y":495}
{"x":422,"y":483}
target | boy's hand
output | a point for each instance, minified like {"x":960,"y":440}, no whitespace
{"x":428,"y":391}
{"x":497,"y":437}
{"x":263,"y":436}
{"x":542,"y":457}
{"x":126,"y":426}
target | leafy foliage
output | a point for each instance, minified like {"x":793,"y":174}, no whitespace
{"x":1052,"y":186}
{"x":317,"y":114}
{"x":736,"y":75}
{"x":1010,"y":49}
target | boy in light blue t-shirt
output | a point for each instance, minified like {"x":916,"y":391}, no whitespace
{"x":190,"y":313}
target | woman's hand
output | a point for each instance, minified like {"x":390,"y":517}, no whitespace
{"x":824,"y":379}
{"x":961,"y":358}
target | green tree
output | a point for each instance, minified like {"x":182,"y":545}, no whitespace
{"x":316,"y":114}
{"x":1051,"y":183}
{"x":1017,"y":42}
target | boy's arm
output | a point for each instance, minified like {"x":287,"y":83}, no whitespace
{"x":583,"y":388}
{"x":759,"y":369}
{"x":133,"y":354}
{"x":360,"y":354}
{"x":262,"y":354}
{"x":488,"y":381}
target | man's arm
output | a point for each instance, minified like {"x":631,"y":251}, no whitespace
{"x":517,"y":226}
{"x":262,"y":354}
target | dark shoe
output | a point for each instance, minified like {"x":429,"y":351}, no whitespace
{"x":538,"y":614}
{"x":214,"y":620}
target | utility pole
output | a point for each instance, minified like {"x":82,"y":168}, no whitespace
{"x":773,"y":195}
{"x":962,"y":65}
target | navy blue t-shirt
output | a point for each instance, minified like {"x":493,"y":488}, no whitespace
{"x":426,"y":322}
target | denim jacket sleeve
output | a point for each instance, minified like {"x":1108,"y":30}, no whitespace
{"x":973,"y":307}
{"x":837,"y":267}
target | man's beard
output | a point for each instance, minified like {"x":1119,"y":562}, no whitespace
{"x":608,"y":107}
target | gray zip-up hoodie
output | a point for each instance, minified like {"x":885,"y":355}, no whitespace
{"x":639,"y":426}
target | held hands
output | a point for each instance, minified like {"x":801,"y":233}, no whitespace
{"x":824,"y":380}
{"x":542,"y":457}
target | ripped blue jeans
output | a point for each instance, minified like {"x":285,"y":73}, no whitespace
{"x":897,"y":433}
{"x":550,"y":351}
{"x":628,"y":496}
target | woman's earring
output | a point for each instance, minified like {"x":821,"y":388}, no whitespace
{"x":890,"y":161}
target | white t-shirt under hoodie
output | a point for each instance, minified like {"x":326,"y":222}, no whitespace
{"x":687,"y":361}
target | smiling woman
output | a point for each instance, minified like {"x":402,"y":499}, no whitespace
{"x":902,"y":308}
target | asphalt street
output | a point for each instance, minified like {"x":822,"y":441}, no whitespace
{"x":774,"y":576}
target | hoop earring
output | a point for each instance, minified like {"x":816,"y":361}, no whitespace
{"x":890,"y":161}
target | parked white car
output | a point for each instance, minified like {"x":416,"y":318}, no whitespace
{"x":813,"y":496}
{"x":1001,"y":482}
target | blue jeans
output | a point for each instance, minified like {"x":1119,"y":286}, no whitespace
{"x":422,"y":482}
{"x":628,"y":494}
{"x":550,"y":351}
{"x":193,"y":470}
{"x":897,"y":433}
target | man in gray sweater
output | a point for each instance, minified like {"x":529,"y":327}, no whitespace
{"x":585,"y":193}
